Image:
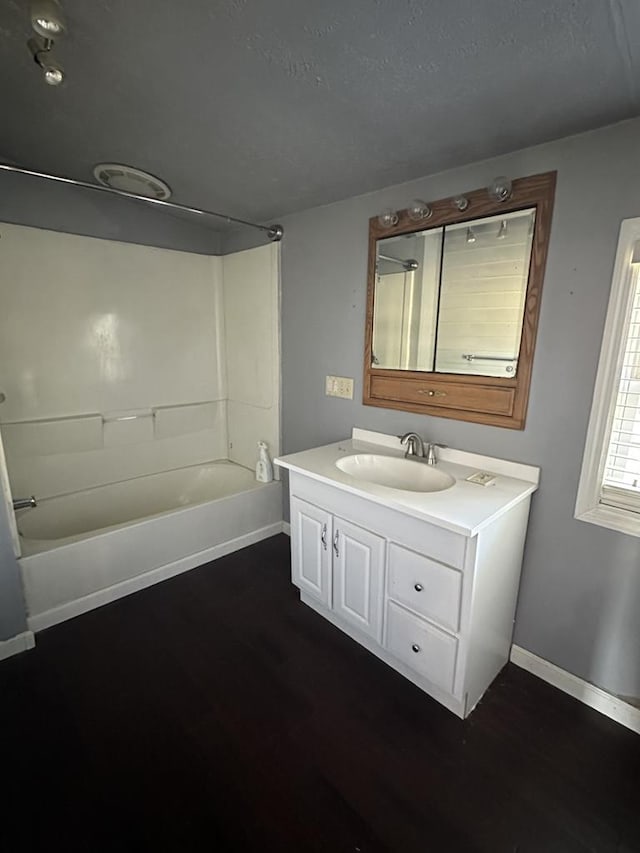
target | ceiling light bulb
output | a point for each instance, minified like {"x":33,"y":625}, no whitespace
{"x":418,"y":210}
{"x":53,"y":75}
{"x":500,"y":188}
{"x":47,"y":18}
{"x":388,"y":218}
{"x":461,"y":203}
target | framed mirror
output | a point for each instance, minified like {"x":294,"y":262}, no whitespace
{"x":452,"y":304}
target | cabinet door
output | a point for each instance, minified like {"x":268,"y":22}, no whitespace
{"x":358,"y":565}
{"x":311,"y":537}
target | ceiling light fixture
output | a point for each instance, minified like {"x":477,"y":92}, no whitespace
{"x":47,"y":20}
{"x":51,"y":68}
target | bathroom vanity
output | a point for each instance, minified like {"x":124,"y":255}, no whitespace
{"x":424,"y":573}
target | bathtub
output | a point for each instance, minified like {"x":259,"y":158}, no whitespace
{"x":82,"y":550}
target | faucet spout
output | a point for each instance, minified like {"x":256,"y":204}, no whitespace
{"x":415,"y":445}
{"x":23,"y":503}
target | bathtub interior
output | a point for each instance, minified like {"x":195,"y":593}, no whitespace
{"x":62,"y":519}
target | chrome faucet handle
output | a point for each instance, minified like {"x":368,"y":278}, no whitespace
{"x":432,"y":459}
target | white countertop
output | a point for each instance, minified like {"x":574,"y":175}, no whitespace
{"x":464,"y":508}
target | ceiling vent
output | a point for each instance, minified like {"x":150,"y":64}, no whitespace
{"x":130,"y":180}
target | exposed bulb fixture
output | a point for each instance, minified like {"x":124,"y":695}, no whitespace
{"x":418,"y":210}
{"x":500,"y":188}
{"x":53,"y":75}
{"x":461,"y":203}
{"x":471,"y":237}
{"x":502,"y":231}
{"x":41,"y":51}
{"x":47,"y":18}
{"x":388,"y":218}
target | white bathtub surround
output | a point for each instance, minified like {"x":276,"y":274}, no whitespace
{"x":428,"y":582}
{"x":115,"y":368}
{"x":252,"y":341}
{"x":187,"y":343}
{"x":85,"y":549}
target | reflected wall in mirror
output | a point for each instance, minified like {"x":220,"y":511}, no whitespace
{"x":455,"y":301}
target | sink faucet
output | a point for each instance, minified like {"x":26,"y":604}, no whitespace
{"x":421,"y":449}
{"x":415,"y":445}
{"x":23,"y":503}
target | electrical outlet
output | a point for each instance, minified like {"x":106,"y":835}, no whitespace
{"x":339,"y":386}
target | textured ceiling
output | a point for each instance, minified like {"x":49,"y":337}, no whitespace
{"x":260,"y":109}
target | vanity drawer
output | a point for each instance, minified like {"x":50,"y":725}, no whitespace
{"x":425,"y":649}
{"x":425,"y":586}
{"x":447,"y":395}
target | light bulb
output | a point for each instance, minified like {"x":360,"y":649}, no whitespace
{"x":53,"y":75}
{"x":47,"y":18}
{"x":500,"y":188}
{"x":461,"y":203}
{"x":418,"y":210}
{"x":388,"y":218}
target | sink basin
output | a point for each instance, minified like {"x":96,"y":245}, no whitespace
{"x":394,"y":473}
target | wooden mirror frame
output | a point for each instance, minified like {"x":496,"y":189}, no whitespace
{"x":495,"y":401}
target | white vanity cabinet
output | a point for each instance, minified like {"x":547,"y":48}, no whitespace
{"x":436,"y":605}
{"x":338,"y":564}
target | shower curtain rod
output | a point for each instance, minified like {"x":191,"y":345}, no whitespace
{"x":273,"y":232}
{"x":409,"y":264}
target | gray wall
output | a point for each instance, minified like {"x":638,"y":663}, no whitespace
{"x":579,"y":603}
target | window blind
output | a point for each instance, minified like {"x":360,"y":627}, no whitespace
{"x":621,"y":480}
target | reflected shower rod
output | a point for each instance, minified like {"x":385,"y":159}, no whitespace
{"x":273,"y":232}
{"x":409,"y":264}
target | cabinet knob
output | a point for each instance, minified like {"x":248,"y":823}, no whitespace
{"x":415,"y":648}
{"x":418,"y":587}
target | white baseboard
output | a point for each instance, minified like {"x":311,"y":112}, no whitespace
{"x":286,"y":528}
{"x":607,"y":704}
{"x":17,"y":644}
{"x":40,"y":621}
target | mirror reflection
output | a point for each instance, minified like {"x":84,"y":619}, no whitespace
{"x":451,"y":299}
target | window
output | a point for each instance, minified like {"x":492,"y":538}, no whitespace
{"x":609,"y":490}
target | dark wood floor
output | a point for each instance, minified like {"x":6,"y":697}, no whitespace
{"x":215,"y":712}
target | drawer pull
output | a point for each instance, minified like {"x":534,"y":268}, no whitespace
{"x":431,"y":393}
{"x":335,"y":543}
{"x":415,"y":648}
{"x":323,"y":538}
{"x":418,"y":587}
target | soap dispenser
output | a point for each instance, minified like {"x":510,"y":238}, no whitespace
{"x":264,"y":466}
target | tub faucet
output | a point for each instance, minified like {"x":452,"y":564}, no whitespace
{"x":415,"y":445}
{"x":23,"y":503}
